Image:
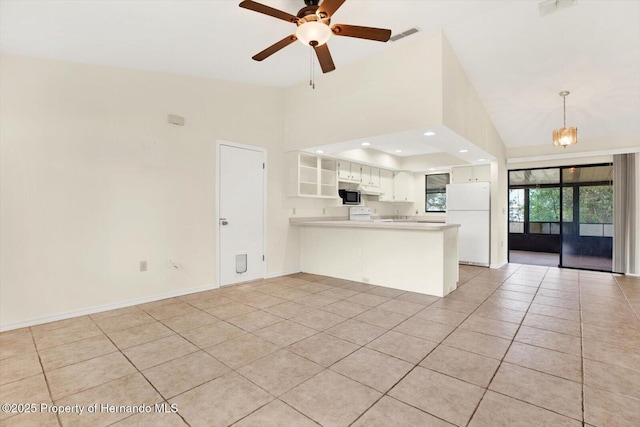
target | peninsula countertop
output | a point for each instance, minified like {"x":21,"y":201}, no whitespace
{"x":376,"y":224}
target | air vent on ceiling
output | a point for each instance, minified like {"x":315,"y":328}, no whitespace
{"x":404,"y":34}
{"x":548,"y":7}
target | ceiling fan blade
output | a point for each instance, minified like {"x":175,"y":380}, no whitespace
{"x":330,"y":6}
{"x":274,"y":48}
{"x":369,"y":33}
{"x":324,"y":58}
{"x":267,"y":10}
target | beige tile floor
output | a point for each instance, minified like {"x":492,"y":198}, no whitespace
{"x":522,"y":345}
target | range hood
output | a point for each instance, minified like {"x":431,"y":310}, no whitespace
{"x":369,"y":191}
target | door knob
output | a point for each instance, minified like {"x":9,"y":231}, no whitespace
{"x":224,"y":221}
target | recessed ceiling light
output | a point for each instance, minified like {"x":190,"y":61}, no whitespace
{"x":429,"y":133}
{"x":481,"y":160}
{"x":432,"y":169}
{"x":463,"y":151}
{"x":319,"y":151}
{"x":366,"y":144}
{"x":398,"y":151}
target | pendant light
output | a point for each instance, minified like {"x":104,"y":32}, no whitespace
{"x":565,"y":136}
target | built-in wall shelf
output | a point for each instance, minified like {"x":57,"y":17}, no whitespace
{"x":312,"y":176}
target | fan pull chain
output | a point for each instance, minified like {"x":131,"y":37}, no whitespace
{"x":312,"y":73}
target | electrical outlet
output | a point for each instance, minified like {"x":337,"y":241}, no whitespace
{"x":143,"y":265}
{"x":294,"y":211}
{"x":324,"y":211}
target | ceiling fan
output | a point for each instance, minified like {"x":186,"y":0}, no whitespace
{"x":313,"y":29}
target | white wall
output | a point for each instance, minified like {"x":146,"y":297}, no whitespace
{"x":586,"y":147}
{"x":94,"y":180}
{"x":396,"y":90}
{"x":636,"y":271}
{"x":464,"y":113}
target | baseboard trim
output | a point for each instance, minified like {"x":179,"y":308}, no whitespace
{"x":105,"y":307}
{"x":282,"y":273}
{"x":499,"y":265}
{"x":122,"y":304}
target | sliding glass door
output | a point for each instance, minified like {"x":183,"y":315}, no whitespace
{"x":534,"y":216}
{"x":562,"y":216}
{"x":587,"y":217}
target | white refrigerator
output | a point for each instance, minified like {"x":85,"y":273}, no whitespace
{"x":469,"y":205}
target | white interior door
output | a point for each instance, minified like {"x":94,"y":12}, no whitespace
{"x":241,"y":183}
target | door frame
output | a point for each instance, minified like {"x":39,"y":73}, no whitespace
{"x":219,"y":144}
{"x":561,"y":186}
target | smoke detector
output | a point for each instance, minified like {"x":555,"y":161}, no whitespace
{"x":548,"y":7}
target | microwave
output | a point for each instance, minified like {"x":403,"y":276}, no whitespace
{"x":349,"y":197}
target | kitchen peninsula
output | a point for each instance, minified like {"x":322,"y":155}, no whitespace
{"x":411,"y":256}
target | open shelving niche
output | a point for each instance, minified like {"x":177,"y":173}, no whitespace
{"x":319,"y":177}
{"x":313,"y":176}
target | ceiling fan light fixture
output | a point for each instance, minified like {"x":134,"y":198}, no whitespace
{"x":313,"y":33}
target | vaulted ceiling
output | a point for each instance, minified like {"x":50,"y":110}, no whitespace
{"x":516,"y":59}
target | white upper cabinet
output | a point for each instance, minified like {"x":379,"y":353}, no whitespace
{"x":478,"y":173}
{"x":386,"y":186}
{"x":365,"y":175}
{"x":375,"y":177}
{"x":403,"y":187}
{"x":349,"y":172}
{"x":356,"y":172}
{"x":344,"y":170}
{"x":370,"y":176}
{"x":312,"y":176}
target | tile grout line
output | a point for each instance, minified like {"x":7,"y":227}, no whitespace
{"x":427,"y":355}
{"x":520,"y":400}
{"x":139,"y":371}
{"x":626,"y":298}
{"x":385,"y":394}
{"x":46,"y":380}
{"x":321,"y":308}
{"x":582,"y":370}
{"x":286,"y":348}
{"x":280,"y":348}
{"x":365,"y":346}
{"x":507,"y":350}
